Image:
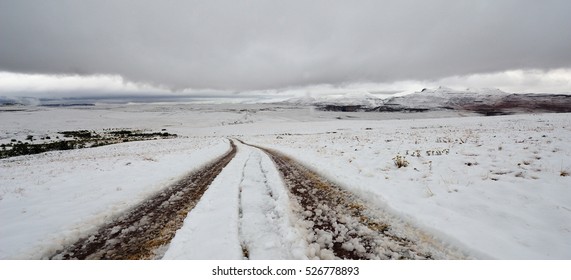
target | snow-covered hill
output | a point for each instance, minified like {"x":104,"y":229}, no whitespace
{"x":487,"y":101}
{"x":10,"y":100}
{"x":443,"y":97}
{"x":361,"y":100}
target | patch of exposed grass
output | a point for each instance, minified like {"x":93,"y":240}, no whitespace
{"x":78,"y":139}
{"x":400,"y":161}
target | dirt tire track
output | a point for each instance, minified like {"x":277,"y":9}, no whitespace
{"x":341,"y":225}
{"x":138,"y":233}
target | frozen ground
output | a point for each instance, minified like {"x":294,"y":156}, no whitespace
{"x":246,"y":207}
{"x":491,"y":186}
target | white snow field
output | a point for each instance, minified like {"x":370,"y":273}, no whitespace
{"x":495,"y":187}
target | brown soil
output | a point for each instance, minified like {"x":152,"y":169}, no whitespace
{"x":138,"y":233}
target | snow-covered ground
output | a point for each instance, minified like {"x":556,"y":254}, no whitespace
{"x":493,"y":185}
{"x":489,"y":185}
{"x":247,"y":206}
{"x":49,"y":200}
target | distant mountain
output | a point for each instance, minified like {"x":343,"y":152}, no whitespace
{"x":484,"y":101}
{"x":354,"y":98}
{"x":443,"y":98}
{"x":8,"y":101}
{"x":355,"y":101}
{"x":446,"y":98}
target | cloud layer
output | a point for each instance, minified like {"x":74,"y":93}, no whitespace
{"x":103,"y":86}
{"x":257,"y":44}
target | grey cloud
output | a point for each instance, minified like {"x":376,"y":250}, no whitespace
{"x":257,"y":44}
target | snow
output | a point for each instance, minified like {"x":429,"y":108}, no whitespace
{"x":497,"y":193}
{"x":361,"y":98}
{"x":210,"y":231}
{"x":245,"y":208}
{"x":491,"y":186}
{"x":444,"y":91}
{"x":269,"y":229}
{"x":51,"y":199}
{"x":446,"y":97}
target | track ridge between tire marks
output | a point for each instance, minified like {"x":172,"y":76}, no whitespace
{"x":141,"y":231}
{"x":243,"y":245}
{"x":341,"y":225}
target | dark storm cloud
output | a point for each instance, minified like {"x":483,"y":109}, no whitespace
{"x":271,"y":44}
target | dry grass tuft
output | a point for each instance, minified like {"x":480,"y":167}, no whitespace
{"x":400,"y":161}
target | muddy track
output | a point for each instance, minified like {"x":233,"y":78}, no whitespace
{"x":140,"y":232}
{"x":341,"y":225}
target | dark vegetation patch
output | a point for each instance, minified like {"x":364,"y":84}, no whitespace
{"x":78,"y":139}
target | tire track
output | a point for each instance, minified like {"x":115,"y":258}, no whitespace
{"x":343,"y":226}
{"x":149,"y":226}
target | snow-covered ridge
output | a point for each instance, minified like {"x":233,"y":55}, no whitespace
{"x":488,"y":101}
{"x":9,"y":100}
{"x":443,"y":91}
{"x":443,"y":97}
{"x":427,"y":99}
{"x":364,"y":99}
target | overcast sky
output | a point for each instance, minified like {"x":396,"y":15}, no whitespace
{"x":261,"y":44}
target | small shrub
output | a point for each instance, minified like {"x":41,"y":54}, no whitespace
{"x":400,"y":161}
